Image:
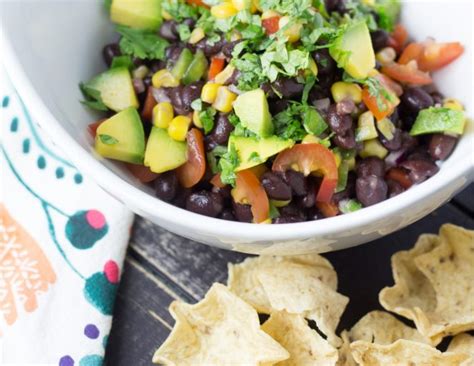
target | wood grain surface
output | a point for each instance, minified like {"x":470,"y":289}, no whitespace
{"x":161,"y":267}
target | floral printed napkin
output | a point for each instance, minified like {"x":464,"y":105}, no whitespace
{"x":62,"y":244}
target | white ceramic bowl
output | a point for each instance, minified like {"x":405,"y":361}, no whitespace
{"x":49,"y":46}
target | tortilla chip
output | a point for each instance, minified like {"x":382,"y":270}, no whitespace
{"x":305,"y":345}
{"x":383,"y":328}
{"x":345,"y":353}
{"x":463,"y":343}
{"x":434,"y":283}
{"x":243,"y":279}
{"x":299,"y":290}
{"x":221,"y":329}
{"x":403,"y":352}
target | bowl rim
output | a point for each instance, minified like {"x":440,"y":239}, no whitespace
{"x":140,"y":202}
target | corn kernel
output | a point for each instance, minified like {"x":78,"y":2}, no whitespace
{"x":235,"y":36}
{"x":373,"y":72}
{"x":166,"y":15}
{"x":266,"y":222}
{"x":454,"y":104}
{"x":209,"y":92}
{"x":178,"y":128}
{"x":386,"y":55}
{"x":140,"y":72}
{"x":225,"y":74}
{"x":244,"y":5}
{"x":342,"y":90}
{"x":267,"y":14}
{"x":256,"y":3}
{"x":163,"y":114}
{"x":223,"y":10}
{"x":368,"y":2}
{"x":197,"y":120}
{"x":164,"y":78}
{"x":310,"y":139}
{"x":313,"y":67}
{"x":338,"y":159}
{"x":292,"y":32}
{"x":224,"y":99}
{"x":196,"y":35}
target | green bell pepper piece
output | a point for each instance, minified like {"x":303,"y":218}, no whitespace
{"x":196,"y":69}
{"x":184,"y":60}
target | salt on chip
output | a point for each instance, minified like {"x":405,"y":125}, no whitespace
{"x":463,"y":343}
{"x":434,"y":283}
{"x":403,"y":353}
{"x":345,"y":353}
{"x":305,"y":345}
{"x":383,"y":328}
{"x":221,"y":329}
{"x":299,"y":290}
{"x":243,"y":279}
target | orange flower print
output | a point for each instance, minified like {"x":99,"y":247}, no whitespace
{"x":25,"y":271}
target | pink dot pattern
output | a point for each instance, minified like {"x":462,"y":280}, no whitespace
{"x":112,"y":271}
{"x":95,"y":219}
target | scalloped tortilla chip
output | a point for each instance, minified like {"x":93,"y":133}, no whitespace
{"x":403,"y":353}
{"x":434,"y":286}
{"x":383,"y":328}
{"x":221,"y":329}
{"x":345,"y":353}
{"x":299,"y":290}
{"x":305,"y":345}
{"x":243,"y":279}
{"x":463,"y":343}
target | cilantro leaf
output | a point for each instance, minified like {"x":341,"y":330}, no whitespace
{"x":254,"y":157}
{"x":108,"y":140}
{"x":228,"y":163}
{"x":141,"y":43}
{"x":107,"y":4}
{"x":207,"y":119}
{"x":288,"y":123}
{"x":196,"y":104}
{"x":122,"y":61}
{"x":250,"y":71}
{"x":184,"y":32}
{"x":313,"y":122}
{"x":274,"y":213}
{"x":180,"y":10}
{"x":92,"y":98}
{"x":388,"y":12}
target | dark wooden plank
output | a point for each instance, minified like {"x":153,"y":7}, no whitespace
{"x":465,"y":200}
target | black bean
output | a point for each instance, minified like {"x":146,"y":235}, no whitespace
{"x":242,"y":213}
{"x":172,"y":53}
{"x":334,"y":5}
{"x":416,"y":99}
{"x":205,"y":203}
{"x":182,"y":195}
{"x":221,"y":131}
{"x":371,"y":190}
{"x":168,"y":31}
{"x":227,"y":214}
{"x":190,"y":22}
{"x":326,"y":64}
{"x":166,"y":186}
{"x":228,"y":48}
{"x":288,"y":87}
{"x":409,"y":142}
{"x":437,"y":97}
{"x":393,"y":144}
{"x":234,"y":78}
{"x":345,"y":141}
{"x":394,"y":188}
{"x":278,"y":105}
{"x":371,"y":166}
{"x":209,"y":49}
{"x":379,"y":39}
{"x":297,"y":182}
{"x":109,"y":52}
{"x":290,"y":219}
{"x":276,"y":187}
{"x":182,"y":96}
{"x":309,"y":200}
{"x":157,"y":65}
{"x":292,"y":210}
{"x":441,"y":146}
{"x":191,"y":92}
{"x":224,"y":192}
{"x":420,"y":170}
{"x":338,"y":123}
{"x":420,"y":153}
{"x":313,"y":214}
{"x":349,"y":191}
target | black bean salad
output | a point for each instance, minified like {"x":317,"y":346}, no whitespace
{"x":272,"y":111}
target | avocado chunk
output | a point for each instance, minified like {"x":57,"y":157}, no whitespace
{"x":253,"y":151}
{"x":162,"y":152}
{"x":143,"y":14}
{"x":121,"y":137}
{"x":353,"y":50}
{"x":252,"y":109}
{"x":116,"y":89}
{"x":438,"y":119}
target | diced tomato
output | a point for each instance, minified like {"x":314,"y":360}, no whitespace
{"x":216,"y":181}
{"x":248,"y":189}
{"x":141,"y":172}
{"x":382,"y":106}
{"x":271,"y":24}
{"x":150,"y":102}
{"x":311,"y":158}
{"x":191,"y":172}
{"x":399,"y":37}
{"x":401,"y":176}
{"x":328,"y":209}
{"x":94,"y":126}
{"x":412,"y":52}
{"x":390,"y":85}
{"x":197,"y":2}
{"x":217,"y":65}
{"x":408,"y":74}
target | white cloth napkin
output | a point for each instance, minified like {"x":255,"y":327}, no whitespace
{"x":62,"y":244}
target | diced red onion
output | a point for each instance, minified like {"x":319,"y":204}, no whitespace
{"x":160,"y":95}
{"x":138,"y":85}
{"x":345,"y":106}
{"x":394,"y":158}
{"x":322,"y":104}
{"x":234,"y":89}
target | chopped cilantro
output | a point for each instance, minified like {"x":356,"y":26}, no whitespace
{"x":184,"y":32}
{"x":92,"y":98}
{"x":274,"y":213}
{"x":312,"y":121}
{"x":140,"y":43}
{"x":196,"y":104}
{"x":107,"y":139}
{"x":228,"y":163}
{"x":388,"y":12}
{"x":291,"y":7}
{"x":180,"y":10}
{"x":251,"y":71}
{"x":122,"y":61}
{"x":254,"y":157}
{"x":348,"y":206}
{"x":207,"y":119}
{"x":309,"y":83}
{"x":288,"y":123}
{"x":375,"y":88}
